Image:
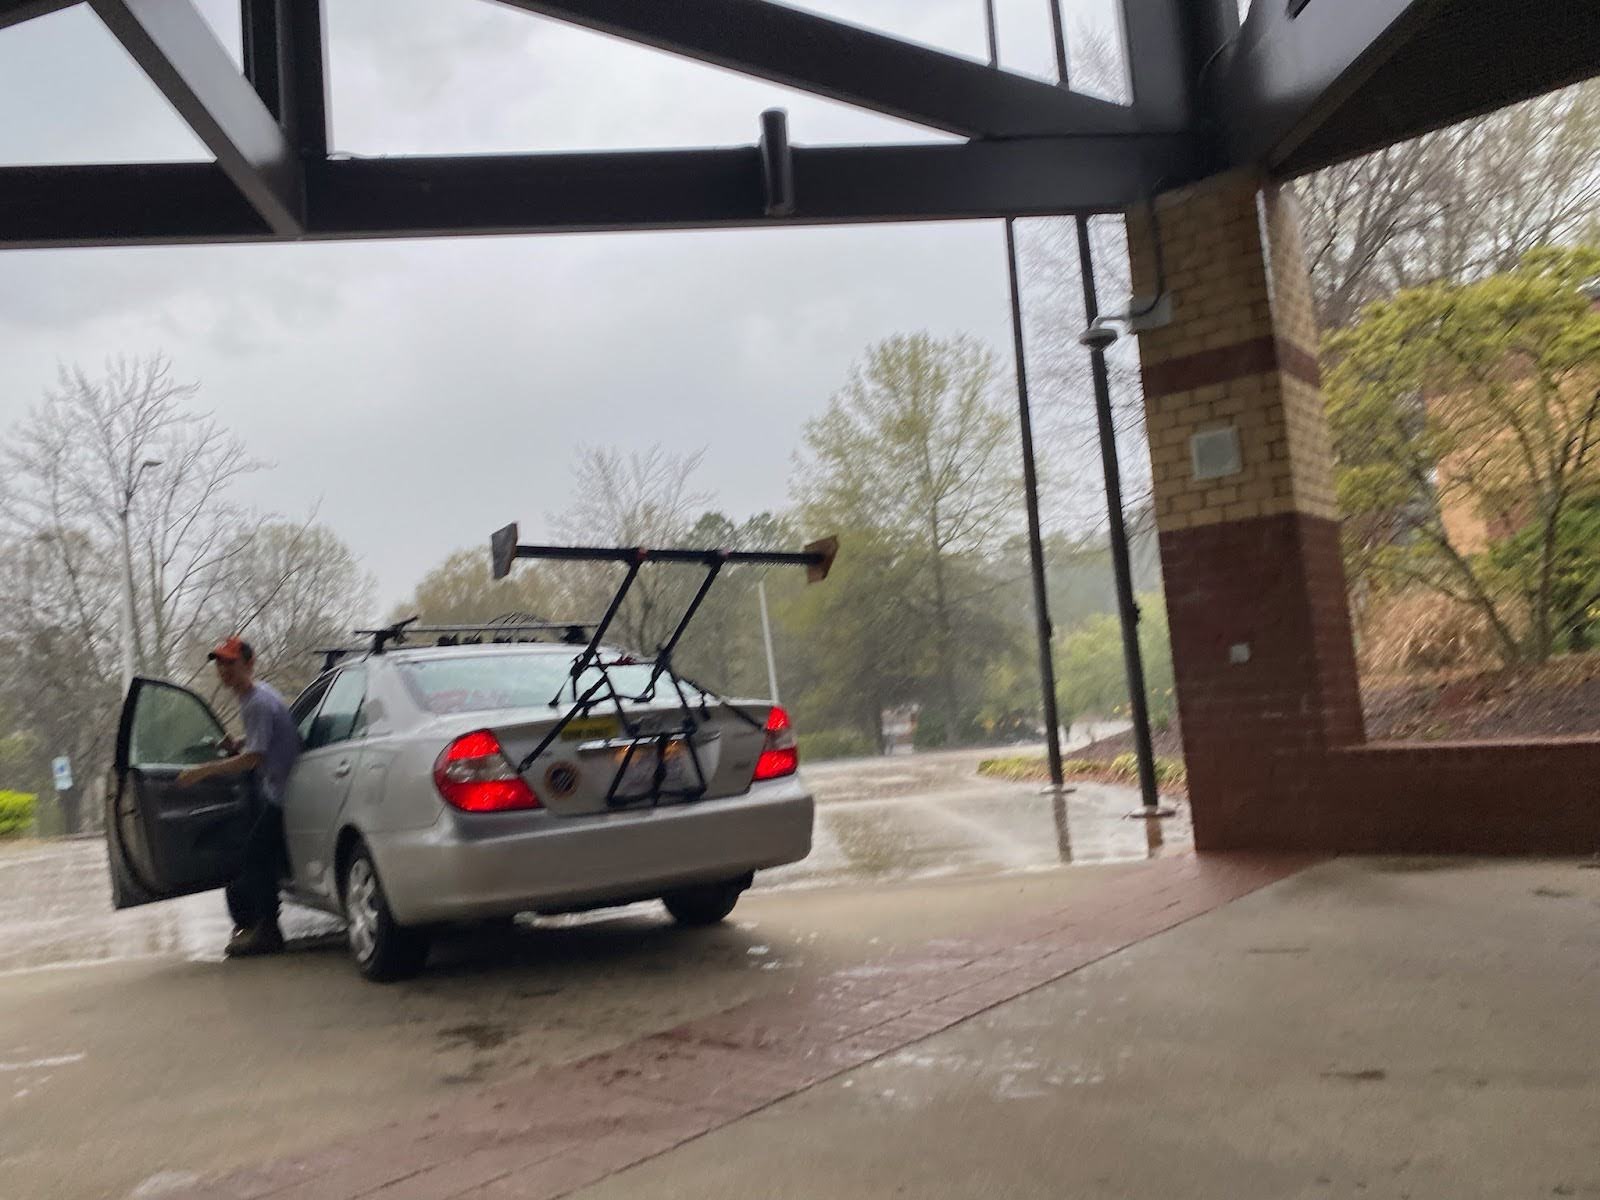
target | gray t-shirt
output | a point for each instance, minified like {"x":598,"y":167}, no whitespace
{"x":270,"y":731}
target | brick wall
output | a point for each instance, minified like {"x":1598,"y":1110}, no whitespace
{"x":1262,"y":649}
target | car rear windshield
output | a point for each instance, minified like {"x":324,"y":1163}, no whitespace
{"x":483,"y":682}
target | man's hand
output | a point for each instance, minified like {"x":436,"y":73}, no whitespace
{"x":223,"y":768}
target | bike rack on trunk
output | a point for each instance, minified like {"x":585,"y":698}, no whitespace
{"x":817,"y":558}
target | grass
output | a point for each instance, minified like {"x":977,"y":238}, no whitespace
{"x":1029,"y":768}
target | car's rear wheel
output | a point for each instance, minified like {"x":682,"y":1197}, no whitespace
{"x":383,"y":950}
{"x":706,"y":903}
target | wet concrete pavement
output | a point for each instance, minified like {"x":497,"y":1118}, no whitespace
{"x":879,"y":820}
{"x":133,"y":1059}
{"x":1369,"y":1029}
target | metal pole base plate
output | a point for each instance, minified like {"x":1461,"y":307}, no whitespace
{"x":1151,"y":814}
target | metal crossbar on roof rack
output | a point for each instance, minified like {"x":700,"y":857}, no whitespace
{"x":496,"y":632}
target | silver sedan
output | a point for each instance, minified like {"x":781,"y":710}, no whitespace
{"x":461,"y":783}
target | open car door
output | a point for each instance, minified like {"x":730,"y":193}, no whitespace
{"x":165,"y":840}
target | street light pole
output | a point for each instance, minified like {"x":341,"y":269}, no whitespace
{"x":129,"y":618}
{"x":766,"y":636}
{"x":1097,"y":339}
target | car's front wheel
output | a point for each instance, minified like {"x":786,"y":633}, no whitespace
{"x":706,"y":903}
{"x":383,"y":950}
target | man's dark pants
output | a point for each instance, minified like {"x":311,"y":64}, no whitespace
{"x":253,"y":897}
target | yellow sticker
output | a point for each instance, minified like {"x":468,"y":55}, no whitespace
{"x":583,"y":729}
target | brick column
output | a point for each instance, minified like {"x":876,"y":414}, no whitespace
{"x":1261,"y":641}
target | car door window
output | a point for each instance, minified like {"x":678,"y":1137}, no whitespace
{"x":336,"y":720}
{"x":304,"y":709}
{"x":171,"y":727}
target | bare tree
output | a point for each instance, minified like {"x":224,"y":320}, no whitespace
{"x":296,"y":588}
{"x":1061,"y":386}
{"x":1453,"y":205}
{"x":79,"y":456}
{"x":1072,"y":489}
{"x":462,"y":589}
{"x":58,"y":655}
{"x":200,"y":561}
{"x":632,"y":500}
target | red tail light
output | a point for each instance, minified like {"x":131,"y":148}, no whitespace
{"x":473,"y":774}
{"x":779,"y":757}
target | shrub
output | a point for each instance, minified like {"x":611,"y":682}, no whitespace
{"x":16,"y":813}
{"x":1171,"y":770}
{"x":1124,"y":766}
{"x":835,"y":743}
{"x":1420,"y":630}
{"x":1015,"y":767}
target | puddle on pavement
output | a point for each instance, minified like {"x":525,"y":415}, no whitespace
{"x":985,"y":827}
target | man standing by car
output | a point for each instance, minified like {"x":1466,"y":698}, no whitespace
{"x":271,"y":745}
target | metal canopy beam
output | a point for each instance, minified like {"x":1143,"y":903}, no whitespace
{"x":554,"y":193}
{"x":846,"y":63}
{"x":1295,"y":63}
{"x":1516,"y":50}
{"x":14,"y":12}
{"x":171,"y":41}
{"x":1159,"y":66}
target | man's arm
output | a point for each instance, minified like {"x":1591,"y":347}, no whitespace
{"x":238,"y":764}
{"x":246,"y":755}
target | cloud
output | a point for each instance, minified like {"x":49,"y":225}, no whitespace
{"x":429,"y":391}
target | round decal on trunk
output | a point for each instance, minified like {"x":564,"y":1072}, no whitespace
{"x":561,"y":779}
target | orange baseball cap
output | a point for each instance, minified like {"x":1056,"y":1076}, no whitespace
{"x":232,"y":650}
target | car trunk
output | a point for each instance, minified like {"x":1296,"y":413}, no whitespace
{"x":578,"y":772}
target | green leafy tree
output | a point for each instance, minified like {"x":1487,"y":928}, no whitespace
{"x":856,"y":651}
{"x":1477,"y":406}
{"x":915,"y":454}
{"x":723,"y":647}
{"x":1091,"y":676}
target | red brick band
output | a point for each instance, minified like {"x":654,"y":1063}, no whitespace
{"x":562,"y":1128}
{"x":1227,"y":363}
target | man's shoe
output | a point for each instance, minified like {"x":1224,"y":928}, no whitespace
{"x":260,"y":939}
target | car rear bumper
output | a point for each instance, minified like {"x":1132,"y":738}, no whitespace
{"x":467,"y":866}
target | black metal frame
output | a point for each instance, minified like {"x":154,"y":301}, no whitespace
{"x":1297,"y":86}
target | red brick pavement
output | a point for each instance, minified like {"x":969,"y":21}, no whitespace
{"x":556,"y":1130}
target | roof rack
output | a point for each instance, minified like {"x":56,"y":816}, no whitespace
{"x":499,"y":631}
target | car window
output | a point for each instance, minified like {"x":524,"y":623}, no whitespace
{"x":485,"y":682}
{"x":171,"y":727}
{"x":304,"y":707}
{"x":336,"y":719}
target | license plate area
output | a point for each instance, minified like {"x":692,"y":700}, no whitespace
{"x":652,"y":769}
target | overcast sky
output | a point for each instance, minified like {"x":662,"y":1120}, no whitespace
{"x":423,"y":393}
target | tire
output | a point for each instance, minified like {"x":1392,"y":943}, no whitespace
{"x":705,"y":904}
{"x":383,"y":950}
